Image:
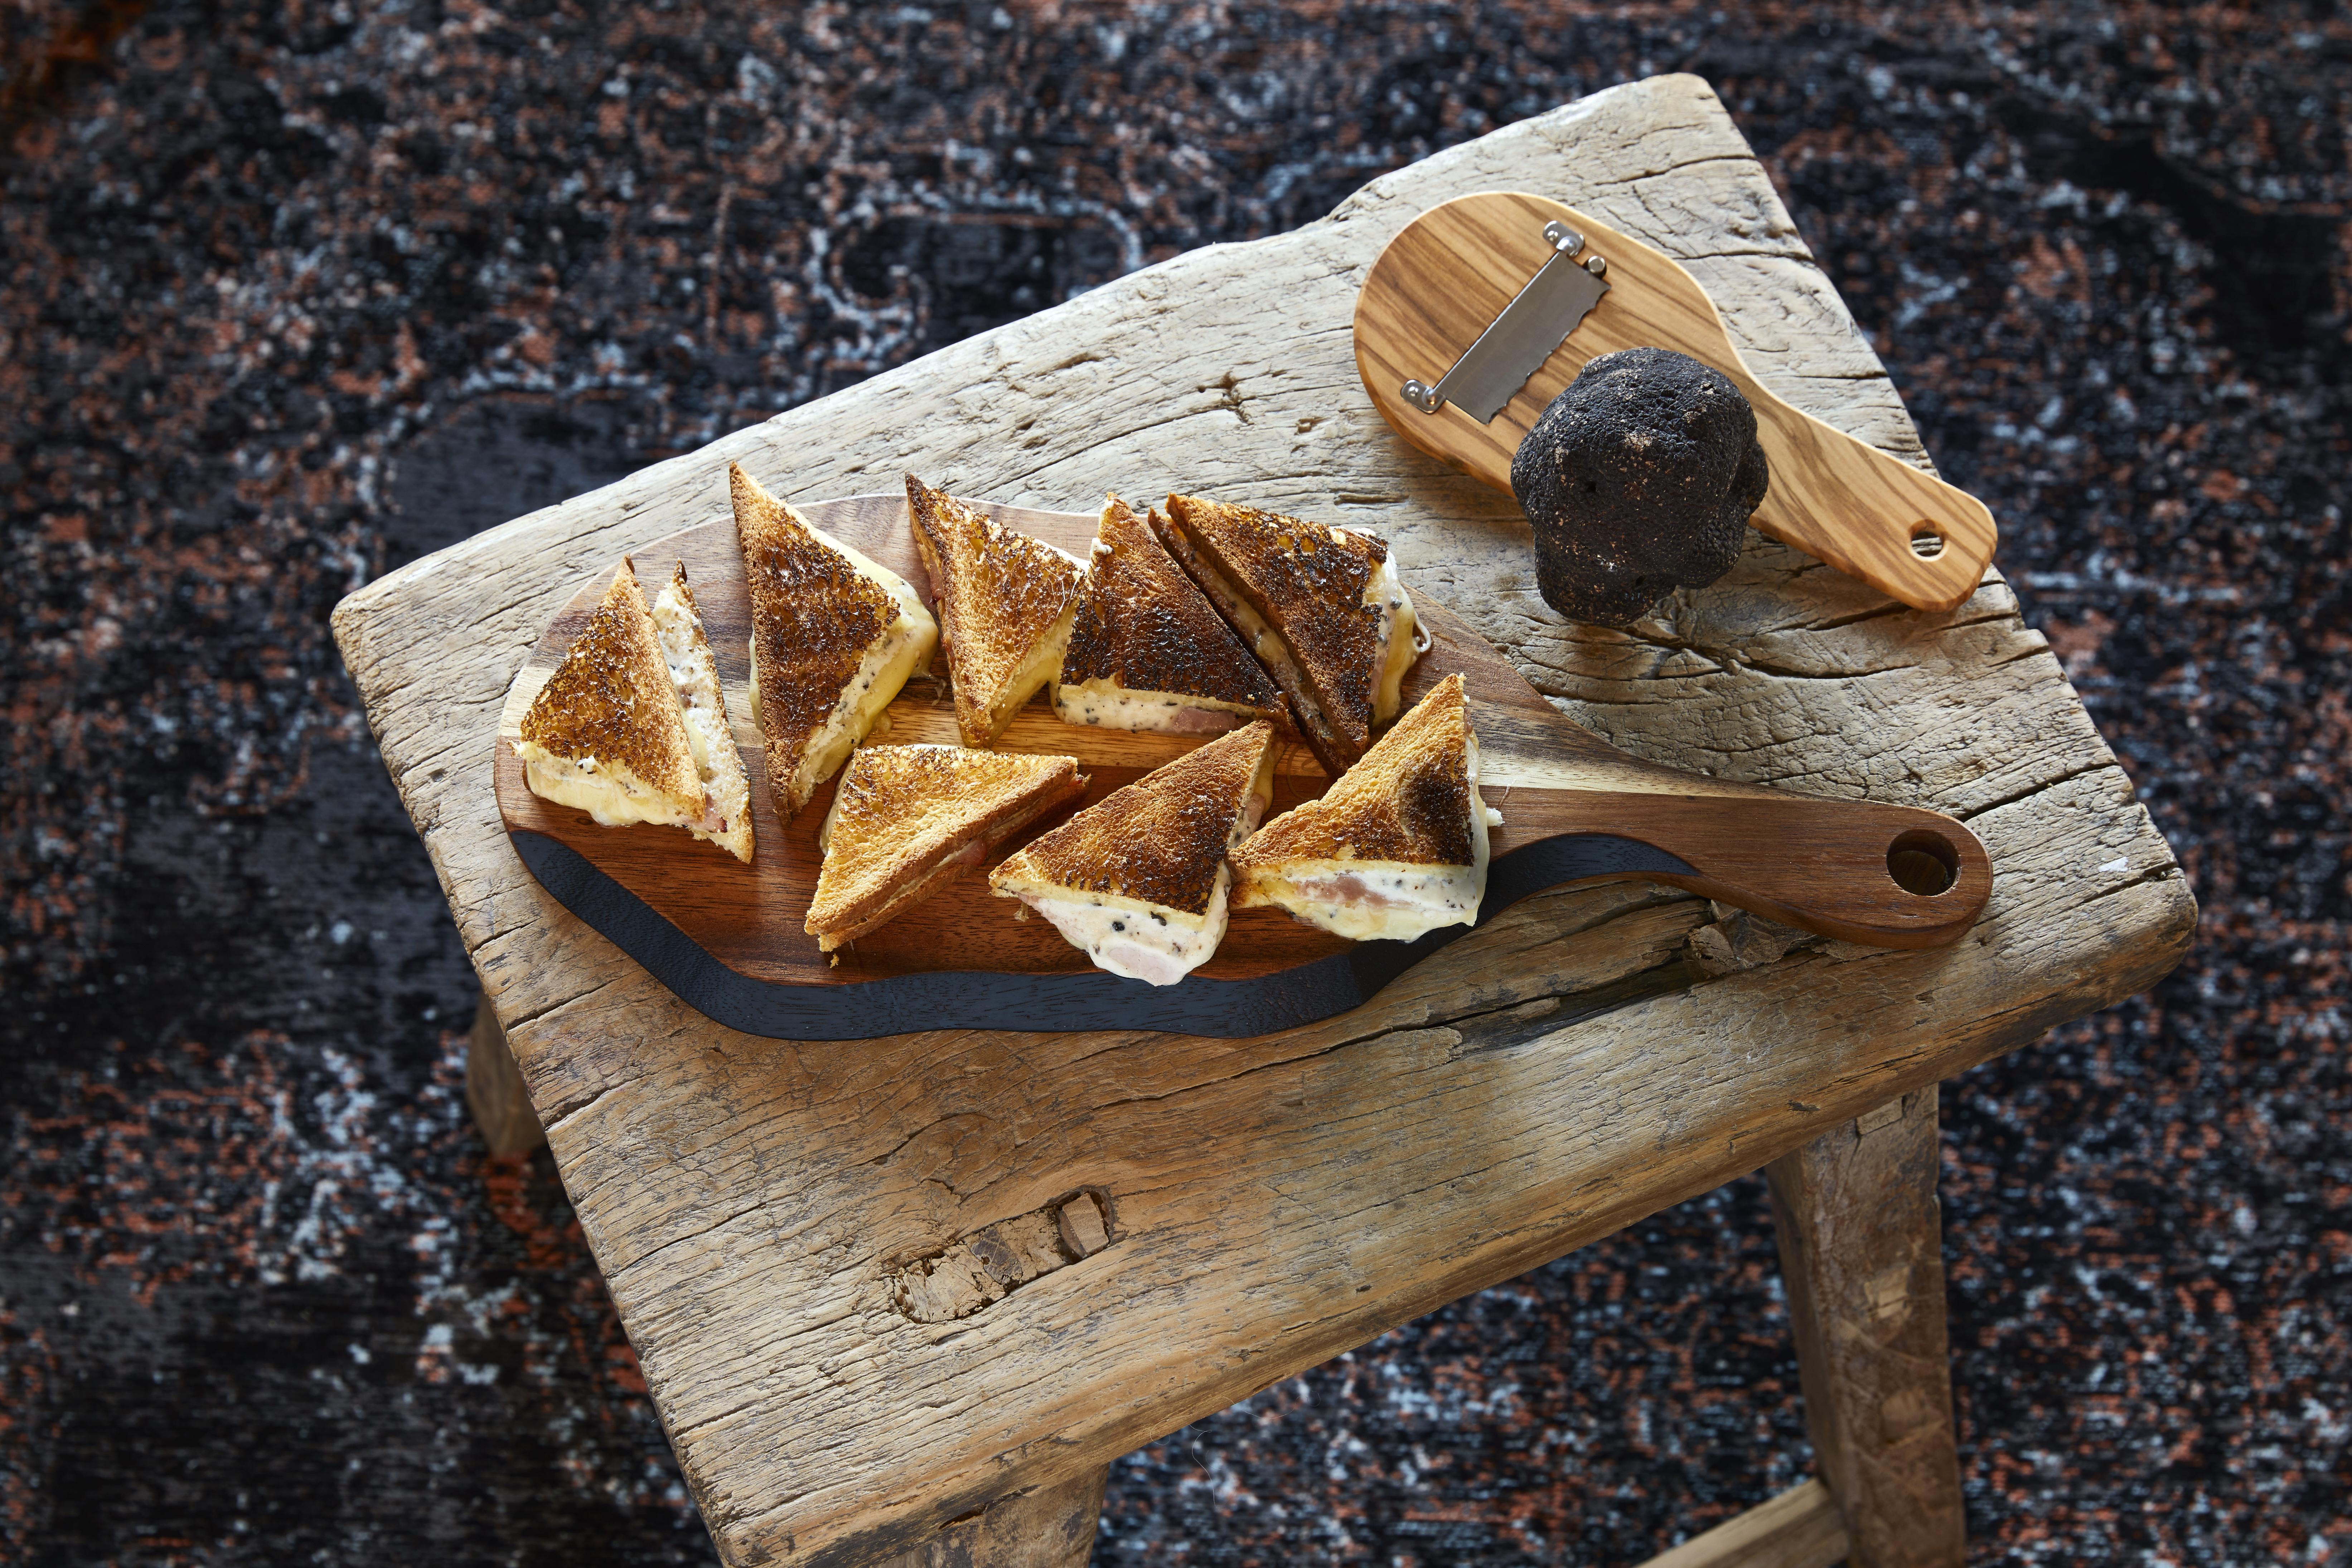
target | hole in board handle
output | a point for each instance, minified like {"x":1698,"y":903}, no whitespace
{"x":1926,"y":543}
{"x":1923,"y":863}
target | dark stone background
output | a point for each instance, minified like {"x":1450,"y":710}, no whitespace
{"x":295,"y":294}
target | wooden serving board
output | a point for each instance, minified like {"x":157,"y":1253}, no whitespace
{"x":728,"y":937}
{"x":1448,"y":274}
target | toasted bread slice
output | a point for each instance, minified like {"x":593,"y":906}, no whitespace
{"x":695,"y":674}
{"x":1138,"y":881}
{"x":1006,"y":603}
{"x":906,"y":818}
{"x":1320,"y":607}
{"x":1148,"y":651}
{"x":1396,"y":847}
{"x":834,"y":638}
{"x":607,"y":733}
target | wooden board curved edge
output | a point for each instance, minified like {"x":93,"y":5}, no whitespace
{"x":1844,"y":501}
{"x":1054,"y":1003}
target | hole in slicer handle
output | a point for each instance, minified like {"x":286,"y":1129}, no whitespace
{"x":1923,"y":863}
{"x":1926,"y":543}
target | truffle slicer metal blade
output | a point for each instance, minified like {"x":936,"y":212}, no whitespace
{"x":1452,"y":290}
{"x":1537,"y":321}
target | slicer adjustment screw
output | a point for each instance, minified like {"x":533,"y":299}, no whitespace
{"x":1562,"y":238}
{"x":1597,"y":265}
{"x":1422,"y":397}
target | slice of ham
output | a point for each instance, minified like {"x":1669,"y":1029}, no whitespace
{"x":1348,"y":889}
{"x":1205,"y":721}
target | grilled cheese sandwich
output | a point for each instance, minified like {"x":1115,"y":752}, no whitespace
{"x":1320,"y":607}
{"x":1006,"y":603}
{"x":1397,"y":846}
{"x":615,"y":730}
{"x":905,"y":819}
{"x":1147,"y":649}
{"x":1138,"y":881}
{"x":834,"y":637}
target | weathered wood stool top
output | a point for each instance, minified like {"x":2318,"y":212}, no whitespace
{"x":808,"y":1243}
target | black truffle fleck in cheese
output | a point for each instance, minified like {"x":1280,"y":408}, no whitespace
{"x":1638,"y":479}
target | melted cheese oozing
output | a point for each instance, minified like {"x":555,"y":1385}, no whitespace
{"x":1380,"y":903}
{"x":609,"y":792}
{"x":1401,"y":640}
{"x":1105,"y":703}
{"x":692,"y":671}
{"x":1146,"y":945}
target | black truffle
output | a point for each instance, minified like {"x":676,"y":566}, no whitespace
{"x":1638,"y":478}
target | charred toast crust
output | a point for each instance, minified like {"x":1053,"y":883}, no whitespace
{"x":612,"y":698}
{"x":813,"y":616}
{"x":1161,"y":839}
{"x":903,"y":810}
{"x":995,"y":591}
{"x":1304,"y":719}
{"x":1407,"y":800}
{"x":1308,"y":580}
{"x":1142,"y":622}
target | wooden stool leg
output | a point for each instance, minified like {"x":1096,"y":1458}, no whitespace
{"x":494,"y":1089}
{"x":1053,"y":1527}
{"x":1862,"y":1250}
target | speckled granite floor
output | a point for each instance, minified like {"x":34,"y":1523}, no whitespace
{"x":296,"y":293}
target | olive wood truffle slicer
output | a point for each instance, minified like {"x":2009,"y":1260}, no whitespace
{"x":727,"y":937}
{"x":1484,"y":308}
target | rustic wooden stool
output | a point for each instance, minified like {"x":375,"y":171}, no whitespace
{"x":905,"y":1299}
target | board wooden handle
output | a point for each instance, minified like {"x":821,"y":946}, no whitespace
{"x":1443,"y":279}
{"x":1881,"y":875}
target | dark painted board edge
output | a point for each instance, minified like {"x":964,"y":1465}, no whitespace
{"x":1049,"y":1004}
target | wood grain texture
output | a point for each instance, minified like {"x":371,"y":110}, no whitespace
{"x":1862,"y":1251}
{"x":495,"y":1091}
{"x":1798,"y":1529}
{"x":1579,"y":807}
{"x":1051,"y":1527}
{"x":1444,"y":279}
{"x":1538,"y":1085}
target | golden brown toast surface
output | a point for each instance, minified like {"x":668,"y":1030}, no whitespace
{"x":813,"y":616}
{"x":1161,"y":839}
{"x":997,"y":592}
{"x":1407,"y":800}
{"x":901,"y":810}
{"x":1142,"y":622}
{"x":1307,"y":579}
{"x":612,"y":698}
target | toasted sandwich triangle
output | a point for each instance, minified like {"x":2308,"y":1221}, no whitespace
{"x":1138,"y":881}
{"x":834,"y":638}
{"x":907,"y":817}
{"x":605,"y":733}
{"x":1397,"y":846}
{"x":1006,"y":603}
{"x":1147,"y":649}
{"x":1163,"y":839}
{"x":1318,"y":605}
{"x":694,"y":673}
